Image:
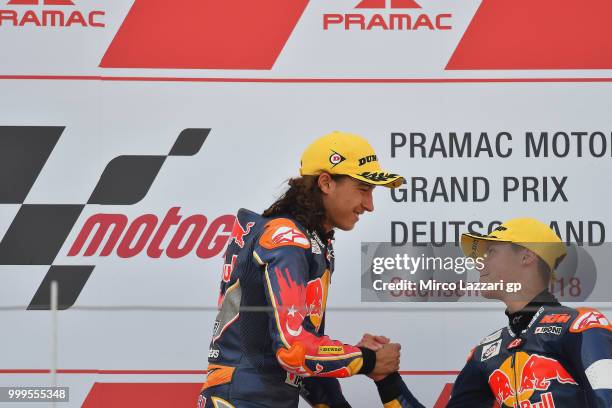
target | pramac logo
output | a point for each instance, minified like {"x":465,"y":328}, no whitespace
{"x":48,"y":16}
{"x":396,"y":19}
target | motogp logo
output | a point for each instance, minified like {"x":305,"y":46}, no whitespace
{"x":38,"y":231}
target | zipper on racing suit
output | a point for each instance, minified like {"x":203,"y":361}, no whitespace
{"x":513,"y":366}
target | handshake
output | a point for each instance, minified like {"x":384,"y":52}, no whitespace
{"x":387,"y":355}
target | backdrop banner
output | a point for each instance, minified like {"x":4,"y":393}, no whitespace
{"x":132,"y":131}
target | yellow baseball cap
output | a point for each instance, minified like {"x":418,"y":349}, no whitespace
{"x":349,"y":154}
{"x":526,"y":232}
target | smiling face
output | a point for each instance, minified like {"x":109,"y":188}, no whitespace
{"x":345,"y":199}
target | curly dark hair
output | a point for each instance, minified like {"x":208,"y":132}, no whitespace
{"x":303,"y":201}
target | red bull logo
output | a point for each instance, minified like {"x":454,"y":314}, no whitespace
{"x":501,"y":386}
{"x":538,"y":371}
{"x":513,"y":386}
{"x":238,"y":233}
{"x":316,"y":298}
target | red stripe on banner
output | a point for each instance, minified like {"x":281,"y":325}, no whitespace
{"x":162,"y":395}
{"x":22,"y":2}
{"x":203,"y":34}
{"x":302,"y":80}
{"x":151,"y":395}
{"x":543,"y":34}
{"x":444,"y":396}
{"x":171,"y":372}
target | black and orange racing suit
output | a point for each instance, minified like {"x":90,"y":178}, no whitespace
{"x":549,"y":356}
{"x":268,"y":345}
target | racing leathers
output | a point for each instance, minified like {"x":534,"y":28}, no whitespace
{"x":268,"y":343}
{"x":548,"y":356}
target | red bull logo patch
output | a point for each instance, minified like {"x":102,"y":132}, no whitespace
{"x":238,"y":232}
{"x":316,"y":299}
{"x":515,"y":386}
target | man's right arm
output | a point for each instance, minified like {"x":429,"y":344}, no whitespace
{"x":283,"y":251}
{"x":471,"y":390}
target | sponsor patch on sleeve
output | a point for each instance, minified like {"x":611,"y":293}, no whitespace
{"x":331,"y":350}
{"x":283,"y":232}
{"x":589,"y":318}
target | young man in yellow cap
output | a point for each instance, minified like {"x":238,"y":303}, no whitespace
{"x":549,"y":355}
{"x":269,"y":332}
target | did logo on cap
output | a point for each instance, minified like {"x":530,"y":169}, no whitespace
{"x":526,"y":232}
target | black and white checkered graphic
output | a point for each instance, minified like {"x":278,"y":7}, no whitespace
{"x":38,"y":231}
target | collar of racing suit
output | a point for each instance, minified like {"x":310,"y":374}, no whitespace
{"x":518,"y":321}
{"x":322,"y":235}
